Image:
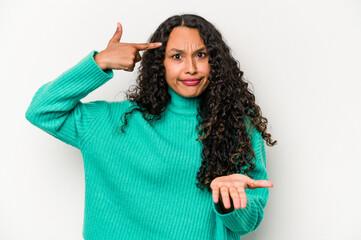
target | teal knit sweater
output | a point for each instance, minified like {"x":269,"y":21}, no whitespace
{"x":140,"y":184}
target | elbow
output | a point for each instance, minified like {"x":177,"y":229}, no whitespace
{"x":29,"y":115}
{"x":34,"y":116}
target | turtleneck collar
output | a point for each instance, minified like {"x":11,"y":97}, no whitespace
{"x":181,"y":105}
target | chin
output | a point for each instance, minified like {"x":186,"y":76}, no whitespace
{"x":190,"y":94}
{"x":189,"y":91}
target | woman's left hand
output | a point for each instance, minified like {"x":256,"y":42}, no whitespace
{"x":235,"y":185}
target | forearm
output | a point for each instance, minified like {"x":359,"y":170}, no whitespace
{"x":61,"y":95}
{"x":56,"y":107}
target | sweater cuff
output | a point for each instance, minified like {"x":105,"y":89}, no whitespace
{"x":84,"y":77}
{"x":89,"y":63}
{"x":238,"y":217}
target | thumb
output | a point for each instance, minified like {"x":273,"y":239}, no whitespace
{"x":118,"y":34}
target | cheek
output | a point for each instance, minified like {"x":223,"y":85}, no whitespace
{"x":204,"y":66}
{"x":169,"y":74}
{"x":206,"y":69}
{"x":172,"y":71}
{"x":167,"y":69}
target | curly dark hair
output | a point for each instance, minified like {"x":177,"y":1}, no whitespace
{"x":227,"y":110}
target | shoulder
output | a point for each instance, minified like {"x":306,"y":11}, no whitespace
{"x":252,"y":131}
{"x":255,"y":136}
{"x":106,"y":107}
{"x":121,"y":106}
{"x":118,"y":108}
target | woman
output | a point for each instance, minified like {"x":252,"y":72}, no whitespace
{"x":190,"y":124}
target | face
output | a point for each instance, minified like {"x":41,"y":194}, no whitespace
{"x":186,"y":62}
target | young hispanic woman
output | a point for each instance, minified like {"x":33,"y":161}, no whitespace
{"x":190,"y":125}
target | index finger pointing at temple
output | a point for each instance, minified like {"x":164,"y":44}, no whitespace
{"x":146,"y":46}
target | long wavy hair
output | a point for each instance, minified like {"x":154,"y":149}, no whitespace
{"x":227,"y":111}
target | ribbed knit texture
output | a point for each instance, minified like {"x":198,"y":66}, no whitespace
{"x":140,"y":184}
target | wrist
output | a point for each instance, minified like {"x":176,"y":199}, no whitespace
{"x":99,"y":61}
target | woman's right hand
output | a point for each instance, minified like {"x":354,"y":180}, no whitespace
{"x":119,"y":55}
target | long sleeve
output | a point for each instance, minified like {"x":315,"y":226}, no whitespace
{"x":56,"y":107}
{"x":244,"y":221}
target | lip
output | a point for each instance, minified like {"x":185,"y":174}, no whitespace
{"x":192,"y":79}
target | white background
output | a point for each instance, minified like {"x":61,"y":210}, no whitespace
{"x":303,"y":58}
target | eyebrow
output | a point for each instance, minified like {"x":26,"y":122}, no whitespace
{"x":181,"y":50}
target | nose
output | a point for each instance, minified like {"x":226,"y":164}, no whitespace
{"x":190,"y":66}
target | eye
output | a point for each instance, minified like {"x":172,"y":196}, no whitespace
{"x":176,"y":56}
{"x":201,"y":54}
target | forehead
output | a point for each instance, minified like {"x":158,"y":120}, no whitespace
{"x":184,"y":37}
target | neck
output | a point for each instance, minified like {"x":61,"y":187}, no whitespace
{"x":182,"y":105}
